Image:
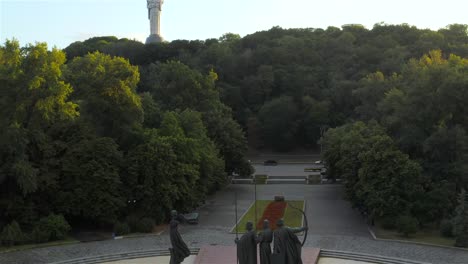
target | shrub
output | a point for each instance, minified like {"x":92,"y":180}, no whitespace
{"x":39,"y":235}
{"x":133,"y":221}
{"x":388,"y":223}
{"x":407,"y":225}
{"x":12,"y":235}
{"x":121,"y":229}
{"x":462,"y":238}
{"x":446,"y":228}
{"x":50,"y":228}
{"x":146,"y":225}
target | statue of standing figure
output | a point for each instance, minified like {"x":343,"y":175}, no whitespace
{"x":154,"y":15}
{"x":287,"y":247}
{"x":179,"y":250}
{"x":265,"y":238}
{"x":247,"y":246}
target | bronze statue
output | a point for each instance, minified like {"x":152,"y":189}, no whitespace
{"x":247,"y":246}
{"x":265,"y":238}
{"x":287,"y":247}
{"x":179,"y":250}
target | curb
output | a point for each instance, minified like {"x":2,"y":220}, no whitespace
{"x":233,"y":229}
{"x":37,"y":246}
{"x":140,"y":235}
{"x":377,"y":259}
{"x":412,"y":242}
{"x":421,"y":244}
{"x":122,"y":256}
{"x":285,"y":162}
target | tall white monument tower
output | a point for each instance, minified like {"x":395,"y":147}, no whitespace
{"x":154,"y":15}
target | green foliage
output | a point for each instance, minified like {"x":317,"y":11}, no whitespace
{"x":407,"y":225}
{"x":146,"y":225}
{"x":132,"y":221}
{"x":75,"y":132}
{"x":50,"y":228}
{"x":119,"y":154}
{"x":90,"y":184}
{"x":460,"y":221}
{"x":175,"y":86}
{"x":108,"y":99}
{"x":121,"y":229}
{"x":379,"y":178}
{"x":446,"y":228}
{"x":388,"y":222}
{"x":278,"y":123}
{"x":34,"y":96}
{"x":176,"y":167}
{"x":12,"y":235}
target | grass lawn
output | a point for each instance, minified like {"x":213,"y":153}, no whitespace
{"x":292,"y":217}
{"x":67,"y":241}
{"x":429,"y":236}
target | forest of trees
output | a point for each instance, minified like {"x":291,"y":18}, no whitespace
{"x":139,"y":129}
{"x":80,"y":147}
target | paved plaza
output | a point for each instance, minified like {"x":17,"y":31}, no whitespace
{"x":333,"y":225}
{"x":327,"y":212}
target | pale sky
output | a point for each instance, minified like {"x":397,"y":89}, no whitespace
{"x":61,"y":22}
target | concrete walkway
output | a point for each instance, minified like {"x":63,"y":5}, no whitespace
{"x":155,"y":260}
{"x":333,"y":225}
{"x":203,"y":237}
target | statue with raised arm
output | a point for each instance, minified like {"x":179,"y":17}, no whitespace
{"x":179,"y":250}
{"x":154,"y":15}
{"x":287,"y":247}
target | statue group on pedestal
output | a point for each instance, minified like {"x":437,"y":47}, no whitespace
{"x":286,"y":245}
{"x":286,"y":248}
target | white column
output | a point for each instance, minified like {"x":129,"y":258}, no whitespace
{"x":154,"y":13}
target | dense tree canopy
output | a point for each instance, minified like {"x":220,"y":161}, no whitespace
{"x":129,"y":125}
{"x":80,"y":145}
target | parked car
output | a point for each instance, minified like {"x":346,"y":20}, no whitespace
{"x":270,"y":163}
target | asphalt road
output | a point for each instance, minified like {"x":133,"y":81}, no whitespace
{"x":284,"y":169}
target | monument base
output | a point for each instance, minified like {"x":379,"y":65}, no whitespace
{"x":227,"y":255}
{"x":153,"y":38}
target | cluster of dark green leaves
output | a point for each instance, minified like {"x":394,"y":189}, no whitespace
{"x":327,"y":77}
{"x":380,"y":180}
{"x":423,"y":111}
{"x":79,"y":142}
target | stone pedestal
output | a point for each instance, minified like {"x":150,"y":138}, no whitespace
{"x":153,"y":38}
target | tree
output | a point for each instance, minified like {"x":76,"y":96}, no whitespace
{"x":278,"y":123}
{"x":33,"y":99}
{"x":175,"y":86}
{"x":105,"y":88}
{"x":389,"y":182}
{"x":314,"y":118}
{"x":90,"y":186}
{"x":371,"y":91}
{"x":461,"y":221}
{"x":379,"y":179}
{"x":407,"y":225}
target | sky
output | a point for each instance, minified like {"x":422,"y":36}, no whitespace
{"x":62,"y":22}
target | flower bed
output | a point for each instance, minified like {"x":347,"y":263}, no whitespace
{"x":291,"y":216}
{"x":273,"y":212}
